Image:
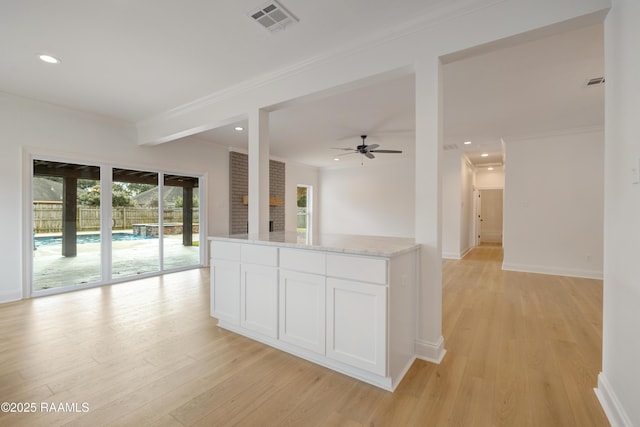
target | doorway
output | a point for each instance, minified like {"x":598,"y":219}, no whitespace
{"x":489,"y":204}
{"x":303,"y":220}
{"x":93,"y":224}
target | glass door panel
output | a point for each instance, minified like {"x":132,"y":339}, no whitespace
{"x":181,"y":215}
{"x":66,"y":225}
{"x":135,"y":247}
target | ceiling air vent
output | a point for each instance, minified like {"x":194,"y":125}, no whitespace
{"x":273,"y":17}
{"x":449,"y":147}
{"x":595,"y":81}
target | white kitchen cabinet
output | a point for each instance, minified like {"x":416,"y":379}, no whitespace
{"x":347,"y":304}
{"x":357,"y":324}
{"x":225,"y":291}
{"x":302,"y":310}
{"x":259,"y":299}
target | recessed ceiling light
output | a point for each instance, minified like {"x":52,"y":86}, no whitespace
{"x":484,"y":155}
{"x":49,"y":59}
{"x":239,"y":128}
{"x":467,"y":142}
{"x":490,"y":169}
{"x":337,"y":159}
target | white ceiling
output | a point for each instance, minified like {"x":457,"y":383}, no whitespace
{"x":531,"y":88}
{"x":133,"y":60}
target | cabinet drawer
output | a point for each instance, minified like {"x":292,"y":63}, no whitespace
{"x":364,"y":269}
{"x":259,"y":254}
{"x":225,"y":250}
{"x":304,"y":261}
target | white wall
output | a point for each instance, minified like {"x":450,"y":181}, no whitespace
{"x":553,"y":211}
{"x":457,"y":204}
{"x":451,"y":169}
{"x":467,"y":230}
{"x":619,"y":382}
{"x":298,"y":174}
{"x":29,"y":126}
{"x":375,"y":199}
{"x":489,"y":180}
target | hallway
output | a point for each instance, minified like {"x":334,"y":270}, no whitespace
{"x":529,"y":345}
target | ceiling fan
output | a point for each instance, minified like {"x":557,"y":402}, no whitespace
{"x":366,"y":150}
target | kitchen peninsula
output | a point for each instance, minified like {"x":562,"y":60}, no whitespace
{"x":345,"y":302}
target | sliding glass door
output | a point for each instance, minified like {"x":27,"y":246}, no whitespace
{"x":66,"y":225}
{"x":135,"y":240}
{"x":180,"y":214}
{"x":149,"y":223}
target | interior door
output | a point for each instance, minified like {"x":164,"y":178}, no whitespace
{"x":491,"y":216}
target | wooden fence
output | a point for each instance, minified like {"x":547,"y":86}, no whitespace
{"x":47,"y":218}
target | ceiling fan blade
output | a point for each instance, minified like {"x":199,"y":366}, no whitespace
{"x":344,"y":149}
{"x":369,"y":155}
{"x":345,"y":154}
{"x":385,"y":151}
{"x":372,"y":147}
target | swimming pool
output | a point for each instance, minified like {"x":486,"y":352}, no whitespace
{"x":86,"y":238}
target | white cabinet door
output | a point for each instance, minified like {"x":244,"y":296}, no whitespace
{"x":357,"y":324}
{"x":225,"y":291}
{"x":302,"y":310}
{"x":259,"y":299}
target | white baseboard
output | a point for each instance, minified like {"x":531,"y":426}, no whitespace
{"x":10,"y":296}
{"x":450,"y":255}
{"x":465,"y":252}
{"x":609,"y":401}
{"x":386,"y":383}
{"x":557,"y":271}
{"x":455,"y":255}
{"x":431,"y":352}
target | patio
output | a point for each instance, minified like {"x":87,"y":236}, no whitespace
{"x":129,"y":258}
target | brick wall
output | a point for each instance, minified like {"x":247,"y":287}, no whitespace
{"x":239,"y":187}
{"x":276,"y":188}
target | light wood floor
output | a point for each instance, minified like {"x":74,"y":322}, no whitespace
{"x":523,"y":350}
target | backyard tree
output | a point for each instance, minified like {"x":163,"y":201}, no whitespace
{"x":119,"y":196}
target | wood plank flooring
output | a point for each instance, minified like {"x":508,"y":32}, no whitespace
{"x":523,"y":350}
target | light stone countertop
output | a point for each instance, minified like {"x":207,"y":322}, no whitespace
{"x":341,"y":243}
